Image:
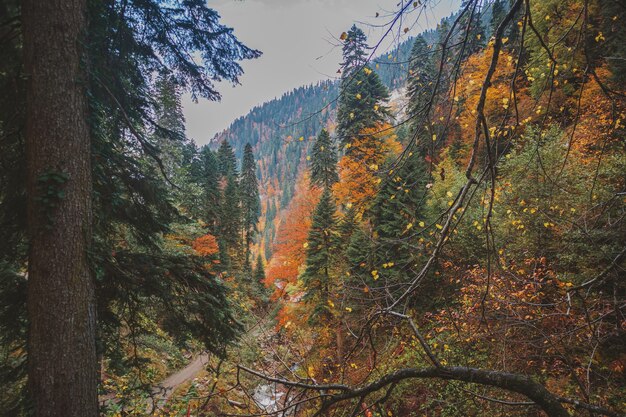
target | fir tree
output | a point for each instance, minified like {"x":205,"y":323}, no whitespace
{"x":471,"y":29}
{"x":353,"y":51}
{"x":227,"y":160}
{"x":359,"y":255}
{"x":259,"y":270}
{"x":229,"y":236}
{"x":319,"y":254}
{"x":420,"y":84}
{"x":397,"y":211}
{"x":211,"y":189}
{"x":497,"y":14}
{"x":324,"y":161}
{"x":249,"y":193}
{"x":361,"y":104}
{"x":361,"y":94}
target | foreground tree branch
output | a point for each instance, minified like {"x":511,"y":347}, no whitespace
{"x":520,"y":384}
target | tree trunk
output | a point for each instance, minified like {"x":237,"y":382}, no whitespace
{"x":61,"y":303}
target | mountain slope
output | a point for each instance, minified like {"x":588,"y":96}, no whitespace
{"x":281,"y":131}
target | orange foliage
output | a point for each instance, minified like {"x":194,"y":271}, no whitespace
{"x":500,"y":104}
{"x":289,"y":251}
{"x":206,"y":245}
{"x":357,"y":170}
{"x":601,"y":120}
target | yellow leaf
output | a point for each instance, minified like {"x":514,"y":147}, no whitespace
{"x":348,"y":309}
{"x":422,"y":224}
{"x":343,"y":36}
{"x":408,"y":226}
{"x":305,"y":245}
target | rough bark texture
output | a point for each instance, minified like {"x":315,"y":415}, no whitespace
{"x":61,"y":349}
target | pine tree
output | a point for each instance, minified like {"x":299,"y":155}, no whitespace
{"x":249,"y":194}
{"x":227,"y":160}
{"x":324,"y":161}
{"x":319,"y":255}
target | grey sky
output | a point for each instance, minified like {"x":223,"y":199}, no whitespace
{"x":297,"y":38}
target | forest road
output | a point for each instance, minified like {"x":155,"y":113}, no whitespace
{"x":164,"y":390}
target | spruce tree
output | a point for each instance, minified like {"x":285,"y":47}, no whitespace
{"x":226,"y":160}
{"x":471,"y":30}
{"x":209,"y":181}
{"x":397,"y":211}
{"x":498,"y":12}
{"x":361,"y":105}
{"x":259,"y":270}
{"x":420,"y":84}
{"x":359,"y":255}
{"x":320,"y":254}
{"x":362,"y":96}
{"x":324,"y":161}
{"x":229,"y":236}
{"x":249,"y":194}
{"x":353,"y":51}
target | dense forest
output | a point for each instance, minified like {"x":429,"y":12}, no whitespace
{"x":440,"y":231}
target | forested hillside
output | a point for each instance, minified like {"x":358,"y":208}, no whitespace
{"x":440,"y":231}
{"x":281,"y":132}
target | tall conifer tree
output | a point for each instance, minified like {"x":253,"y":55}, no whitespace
{"x":210,"y":188}
{"x":324,"y":161}
{"x":319,"y":254}
{"x":249,"y":194}
{"x":227,"y":160}
{"x":362,"y":95}
{"x":420,"y":84}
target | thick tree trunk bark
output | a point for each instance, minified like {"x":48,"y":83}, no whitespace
{"x":61,"y":303}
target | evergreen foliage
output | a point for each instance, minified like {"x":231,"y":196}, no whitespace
{"x":249,"y":193}
{"x":227,"y":160}
{"x":321,"y":242}
{"x":361,"y":105}
{"x":324,"y":161}
{"x":354,"y":51}
{"x":420,"y":85}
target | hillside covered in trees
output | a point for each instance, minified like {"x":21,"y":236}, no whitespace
{"x":440,"y":231}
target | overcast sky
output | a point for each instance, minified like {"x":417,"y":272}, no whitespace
{"x":298,"y":39}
